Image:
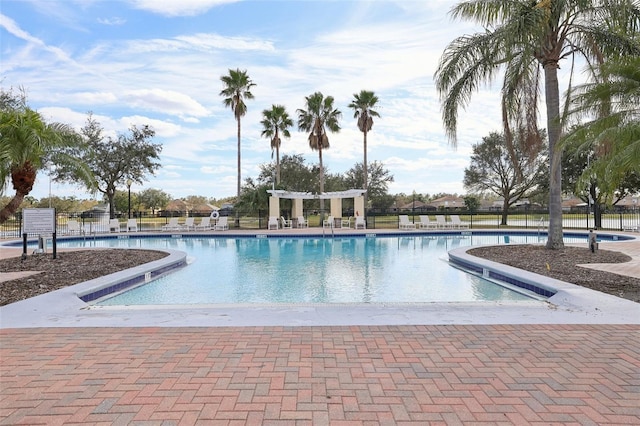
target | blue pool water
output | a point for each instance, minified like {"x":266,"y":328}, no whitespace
{"x":313,"y":270}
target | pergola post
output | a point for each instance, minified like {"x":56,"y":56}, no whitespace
{"x":358,"y":205}
{"x":336,"y":208}
{"x":274,"y":206}
{"x":297,"y":208}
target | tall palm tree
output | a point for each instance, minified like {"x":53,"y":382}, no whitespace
{"x":276,"y":121}
{"x":363,"y":105}
{"x":528,"y":40}
{"x":27,"y":145}
{"x":237,"y":88}
{"x":318,"y":117}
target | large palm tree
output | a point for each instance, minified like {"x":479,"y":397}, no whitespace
{"x":237,"y":88}
{"x":527,"y":41}
{"x":27,"y":145}
{"x":319,"y":116}
{"x":276,"y":121}
{"x":363,"y":105}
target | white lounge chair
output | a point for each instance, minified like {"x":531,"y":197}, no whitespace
{"x":204,"y":225}
{"x":172,"y":225}
{"x":404,"y":222}
{"x":114,"y":225}
{"x":74,"y":227}
{"x":426,"y":223}
{"x":302,"y":222}
{"x":222,"y":224}
{"x":190,"y":224}
{"x":456,"y":222}
{"x":360,"y":223}
{"x":328,"y":222}
{"x":132,"y":225}
{"x":273,"y":223}
{"x":285,"y":223}
{"x":441,"y":220}
{"x":345,"y":223}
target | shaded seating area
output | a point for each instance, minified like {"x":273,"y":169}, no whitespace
{"x":329,"y":222}
{"x":302,"y":222}
{"x":286,"y":223}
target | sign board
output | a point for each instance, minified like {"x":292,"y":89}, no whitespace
{"x":38,"y":221}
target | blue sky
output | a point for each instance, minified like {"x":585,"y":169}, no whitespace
{"x":159,"y":63}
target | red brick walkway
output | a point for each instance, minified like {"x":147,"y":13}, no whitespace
{"x":514,"y":374}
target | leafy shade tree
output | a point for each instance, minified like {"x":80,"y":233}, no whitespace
{"x":379,"y":180}
{"x":27,"y":145}
{"x":472,"y":203}
{"x":276,"y":122}
{"x":154,"y":199}
{"x":296,"y":176}
{"x":492,"y":170}
{"x":237,"y":88}
{"x":612,"y":138}
{"x":528,"y":40}
{"x":363,"y":105}
{"x":318,"y":117}
{"x":114,"y":161}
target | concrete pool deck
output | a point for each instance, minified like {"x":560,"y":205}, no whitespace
{"x":342,"y":365}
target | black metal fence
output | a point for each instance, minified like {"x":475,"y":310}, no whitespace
{"x":100,"y":224}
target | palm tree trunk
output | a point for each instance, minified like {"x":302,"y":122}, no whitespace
{"x":277,"y":137}
{"x":11,"y":207}
{"x":552,"y":95}
{"x":321,"y":181}
{"x":366,"y":174}
{"x":239,"y":162}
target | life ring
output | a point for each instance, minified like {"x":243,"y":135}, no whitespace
{"x":215,"y":214}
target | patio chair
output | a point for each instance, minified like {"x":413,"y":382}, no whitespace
{"x":190,"y":224}
{"x":345,"y":223}
{"x":74,"y":227}
{"x":285,"y":223}
{"x":403,"y":222}
{"x":114,"y":225}
{"x":172,"y":225}
{"x":222,"y":224}
{"x":441,"y":221}
{"x":361,"y":223}
{"x":273,"y":223}
{"x":204,"y":225}
{"x":426,"y":223}
{"x":302,"y":222}
{"x":328,"y":222}
{"x":456,"y":222}
{"x":132,"y":225}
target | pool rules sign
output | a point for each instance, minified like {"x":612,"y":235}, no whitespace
{"x":38,"y":221}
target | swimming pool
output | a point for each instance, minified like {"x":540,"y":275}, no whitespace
{"x":382,"y":269}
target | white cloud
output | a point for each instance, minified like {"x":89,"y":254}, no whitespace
{"x":178,"y":8}
{"x":166,"y":101}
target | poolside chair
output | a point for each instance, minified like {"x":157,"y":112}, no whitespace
{"x":328,"y":222}
{"x":457,"y":223}
{"x":132,"y":225}
{"x":114,"y":225}
{"x":361,"y":223}
{"x":172,"y":225}
{"x":441,"y":221}
{"x":204,"y":225}
{"x":345,"y":223}
{"x":190,"y":223}
{"x":425,"y":222}
{"x":285,"y":223}
{"x":404,"y":222}
{"x":273,"y":223}
{"x":222,"y":224}
{"x":302,"y":222}
{"x":74,"y":227}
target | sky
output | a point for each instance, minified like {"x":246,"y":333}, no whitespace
{"x":159,"y":62}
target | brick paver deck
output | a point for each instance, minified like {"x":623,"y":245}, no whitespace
{"x":511,"y":374}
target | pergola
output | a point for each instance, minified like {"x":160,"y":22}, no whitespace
{"x":299,"y":197}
